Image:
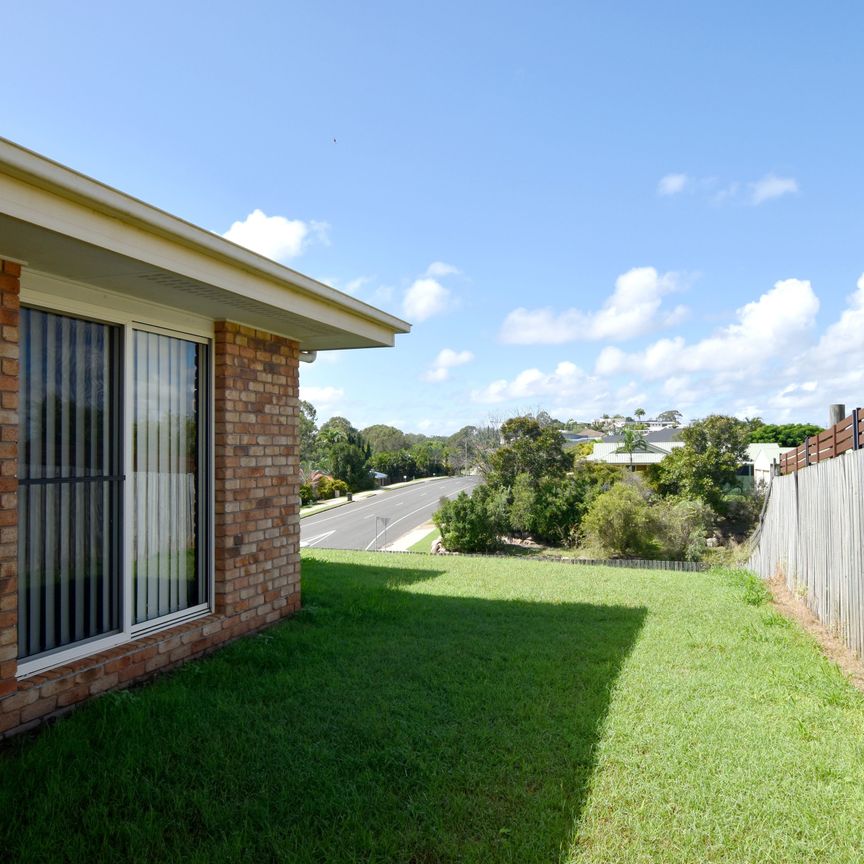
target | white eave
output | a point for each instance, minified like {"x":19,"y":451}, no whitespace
{"x":66,"y":224}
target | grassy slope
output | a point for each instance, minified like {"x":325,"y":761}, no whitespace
{"x":426,"y":709}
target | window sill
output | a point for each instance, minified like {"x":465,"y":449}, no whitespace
{"x":86,"y":651}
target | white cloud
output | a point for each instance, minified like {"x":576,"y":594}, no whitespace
{"x":632,"y":308}
{"x":844,"y":339}
{"x":352,"y":286}
{"x":446,"y":360}
{"x":532,"y":383}
{"x":276,"y":237}
{"x":771,"y":186}
{"x":716,"y":191}
{"x":425,"y":298}
{"x":672,"y":184}
{"x":322,"y":396}
{"x":765,"y":329}
{"x":438,"y":269}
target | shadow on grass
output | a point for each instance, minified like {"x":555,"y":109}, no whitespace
{"x":381,"y":724}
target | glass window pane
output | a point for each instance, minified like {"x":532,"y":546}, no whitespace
{"x":167,"y":559}
{"x":70,"y":483}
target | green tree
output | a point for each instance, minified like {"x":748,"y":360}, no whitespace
{"x":707,"y":465}
{"x":786,"y":434}
{"x":428,"y":456}
{"x":632,"y":439}
{"x":397,"y":465}
{"x":382,"y":438}
{"x":471,"y":445}
{"x":342,"y":451}
{"x":670,"y":417}
{"x":528,"y":448}
{"x":308,"y":430}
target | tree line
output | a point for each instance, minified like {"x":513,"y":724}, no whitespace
{"x":535,"y":488}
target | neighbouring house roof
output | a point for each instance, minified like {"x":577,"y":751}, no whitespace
{"x":60,"y":222}
{"x":580,"y":436}
{"x":657,"y":446}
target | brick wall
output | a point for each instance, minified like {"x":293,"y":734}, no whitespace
{"x":257,"y":568}
{"x":257,"y":473}
{"x":9,"y":290}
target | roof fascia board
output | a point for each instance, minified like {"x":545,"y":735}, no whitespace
{"x":98,"y":199}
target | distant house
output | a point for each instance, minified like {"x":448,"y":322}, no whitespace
{"x":616,"y":423}
{"x":580,"y":436}
{"x":656,"y":446}
{"x":660,"y":443}
{"x":761,"y":459}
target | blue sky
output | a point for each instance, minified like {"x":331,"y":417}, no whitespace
{"x":581,"y":207}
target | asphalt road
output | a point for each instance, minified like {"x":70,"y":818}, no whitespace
{"x":360,"y":524}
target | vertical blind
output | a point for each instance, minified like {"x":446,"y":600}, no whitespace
{"x":167,"y":451}
{"x":70,"y":483}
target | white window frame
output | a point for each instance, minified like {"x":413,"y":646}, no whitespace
{"x":49,"y":294}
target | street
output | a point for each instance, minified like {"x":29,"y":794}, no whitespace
{"x":374,"y":522}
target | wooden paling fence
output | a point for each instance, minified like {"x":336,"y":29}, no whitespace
{"x":846,"y":435}
{"x":812,"y":534}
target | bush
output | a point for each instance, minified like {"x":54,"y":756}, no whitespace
{"x":559,"y":504}
{"x":472,"y":523}
{"x":681,"y":528}
{"x":741,"y":512}
{"x":620,"y":522}
{"x":307,"y":494}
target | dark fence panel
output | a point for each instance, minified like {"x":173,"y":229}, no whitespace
{"x":848,"y":434}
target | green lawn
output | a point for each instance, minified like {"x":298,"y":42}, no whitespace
{"x":425,"y":544}
{"x":445,"y":709}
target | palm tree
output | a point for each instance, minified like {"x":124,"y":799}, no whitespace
{"x":632,"y":439}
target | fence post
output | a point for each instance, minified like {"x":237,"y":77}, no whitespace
{"x":806,"y":451}
{"x":856,"y":443}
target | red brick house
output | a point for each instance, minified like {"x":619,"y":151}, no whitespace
{"x":149,"y":467}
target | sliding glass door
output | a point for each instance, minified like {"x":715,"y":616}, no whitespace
{"x":169,"y":475}
{"x":104,"y":549}
{"x":69,"y":481}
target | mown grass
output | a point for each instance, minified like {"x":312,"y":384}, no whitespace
{"x":425,"y":544}
{"x":428,"y":709}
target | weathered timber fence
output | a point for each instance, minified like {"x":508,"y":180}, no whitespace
{"x":846,"y":435}
{"x":812,"y":534}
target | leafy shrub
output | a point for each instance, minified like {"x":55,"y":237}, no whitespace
{"x":681,"y":528}
{"x":327,"y":488}
{"x":307,"y":495}
{"x":620,"y":522}
{"x":472,"y":523}
{"x":741,"y":512}
{"x":521,"y":516}
{"x":559,"y":505}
